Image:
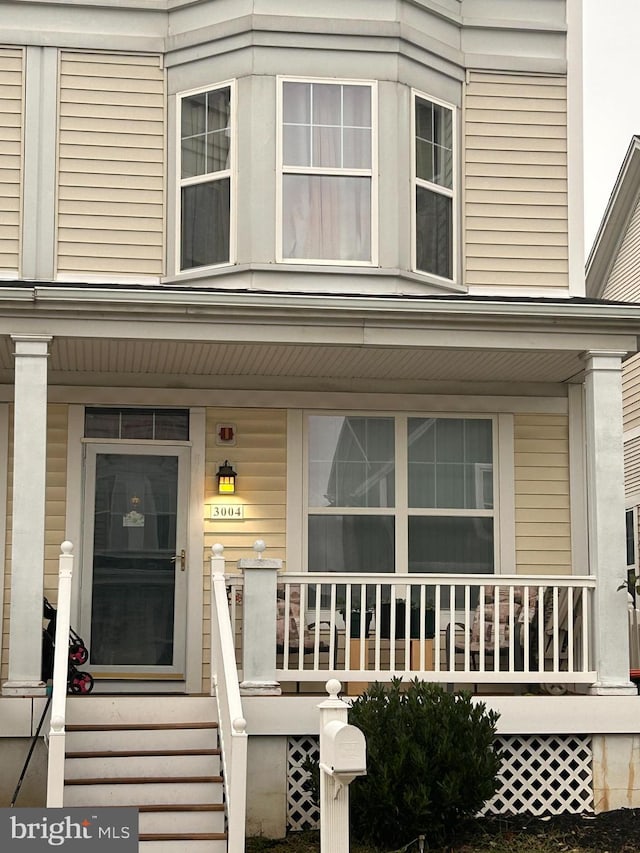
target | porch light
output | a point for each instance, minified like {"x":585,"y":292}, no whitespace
{"x":226,"y":479}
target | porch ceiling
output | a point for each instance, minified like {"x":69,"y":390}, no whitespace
{"x":78,"y":360}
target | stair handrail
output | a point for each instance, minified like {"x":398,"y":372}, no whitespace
{"x":55,"y":770}
{"x":226,"y":689}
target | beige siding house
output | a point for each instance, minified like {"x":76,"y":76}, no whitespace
{"x":336,"y":248}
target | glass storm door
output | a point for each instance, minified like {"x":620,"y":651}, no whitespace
{"x":134,"y":561}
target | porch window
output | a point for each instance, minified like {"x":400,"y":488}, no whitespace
{"x":134,"y":423}
{"x":405,"y":493}
{"x":206,"y":153}
{"x":433,"y":187}
{"x":327,"y":172}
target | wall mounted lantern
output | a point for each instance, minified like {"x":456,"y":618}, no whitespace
{"x":226,"y":479}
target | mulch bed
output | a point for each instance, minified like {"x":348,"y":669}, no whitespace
{"x":610,"y":832}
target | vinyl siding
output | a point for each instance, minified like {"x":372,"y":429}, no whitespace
{"x":631,"y":393}
{"x":55,"y":511}
{"x":624,"y":279}
{"x":111,"y":165}
{"x":259,"y":457}
{"x":515,"y":174}
{"x":11,"y":121}
{"x":632,"y":467}
{"x":542,"y":501}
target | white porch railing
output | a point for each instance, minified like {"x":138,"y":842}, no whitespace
{"x":231,"y":723}
{"x":55,"y":770}
{"x":458,"y":629}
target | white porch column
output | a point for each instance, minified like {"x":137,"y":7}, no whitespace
{"x":259,"y":623}
{"x":28,"y":516}
{"x":605,"y":497}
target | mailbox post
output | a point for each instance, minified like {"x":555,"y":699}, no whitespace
{"x":343,"y":756}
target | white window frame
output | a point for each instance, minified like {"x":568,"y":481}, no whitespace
{"x":436,"y":188}
{"x":401,"y":511}
{"x":230,"y":173}
{"x":371,"y":173}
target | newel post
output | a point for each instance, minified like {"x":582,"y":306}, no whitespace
{"x":55,"y":772}
{"x":259,"y":623}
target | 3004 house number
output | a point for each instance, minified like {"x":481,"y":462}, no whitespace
{"x":226,"y":511}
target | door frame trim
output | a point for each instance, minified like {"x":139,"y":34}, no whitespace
{"x":195,"y":531}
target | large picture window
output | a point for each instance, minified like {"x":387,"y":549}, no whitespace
{"x":327,"y":172}
{"x":205,"y":178}
{"x":400,"y":493}
{"x":434,"y":187}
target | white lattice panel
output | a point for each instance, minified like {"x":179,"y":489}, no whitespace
{"x":302,"y":813}
{"x":544,"y":775}
{"x":539,"y":776}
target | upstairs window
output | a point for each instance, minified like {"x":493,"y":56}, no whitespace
{"x":327,"y":172}
{"x":434,"y":187}
{"x":206,"y":154}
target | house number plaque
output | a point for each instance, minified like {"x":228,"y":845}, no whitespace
{"x":230,"y":512}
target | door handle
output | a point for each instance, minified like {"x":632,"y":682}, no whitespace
{"x":180,"y":558}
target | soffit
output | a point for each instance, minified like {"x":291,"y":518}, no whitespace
{"x":178,"y":359}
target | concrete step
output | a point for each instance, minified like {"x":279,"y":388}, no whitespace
{"x":152,"y":709}
{"x":106,"y":765}
{"x":92,"y":738}
{"x":175,"y":818}
{"x":193,"y":846}
{"x":110,"y":792}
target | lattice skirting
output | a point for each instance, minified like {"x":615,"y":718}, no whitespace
{"x":544,"y":775}
{"x":540,"y":775}
{"x":301,"y":811}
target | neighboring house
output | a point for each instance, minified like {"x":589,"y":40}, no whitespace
{"x":613,"y":273}
{"x":339,"y":247}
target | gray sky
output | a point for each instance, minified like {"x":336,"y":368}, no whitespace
{"x":611,"y":98}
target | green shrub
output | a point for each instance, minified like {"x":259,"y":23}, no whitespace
{"x":431,"y":762}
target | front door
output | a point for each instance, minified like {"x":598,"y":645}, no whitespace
{"x":134,"y":560}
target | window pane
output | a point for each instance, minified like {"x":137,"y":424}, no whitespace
{"x":205,"y":132}
{"x":424,"y":120}
{"x":425,"y":167}
{"x":193,"y":114}
{"x":218,"y":151}
{"x":205,"y":224}
{"x":459,"y":545}
{"x":102,"y":423}
{"x":434,"y":233}
{"x":297,"y":145}
{"x":351,"y":461}
{"x":356,"y":106}
{"x":327,"y":147}
{"x":171,"y":425}
{"x":328,"y":218}
{"x":326,"y":104}
{"x":296,"y":105}
{"x":356,"y":150}
{"x":194,"y":156}
{"x":136,"y":423}
{"x":359,"y":543}
{"x":450,"y":463}
{"x":218,"y":109}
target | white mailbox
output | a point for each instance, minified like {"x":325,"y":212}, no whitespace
{"x":344,"y":752}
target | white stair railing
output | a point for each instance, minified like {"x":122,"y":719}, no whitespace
{"x":231,"y":723}
{"x":55,"y":772}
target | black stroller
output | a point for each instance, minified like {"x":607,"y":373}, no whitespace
{"x":78,"y":681}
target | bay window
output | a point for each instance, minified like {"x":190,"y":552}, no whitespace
{"x":206,"y":154}
{"x":433,"y":187}
{"x":400,"y":493}
{"x":327,"y":190}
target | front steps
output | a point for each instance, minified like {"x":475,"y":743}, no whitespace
{"x":157,"y":753}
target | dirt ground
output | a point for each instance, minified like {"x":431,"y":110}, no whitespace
{"x":610,"y":832}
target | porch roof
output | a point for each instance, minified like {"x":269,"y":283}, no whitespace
{"x":166,"y":335}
